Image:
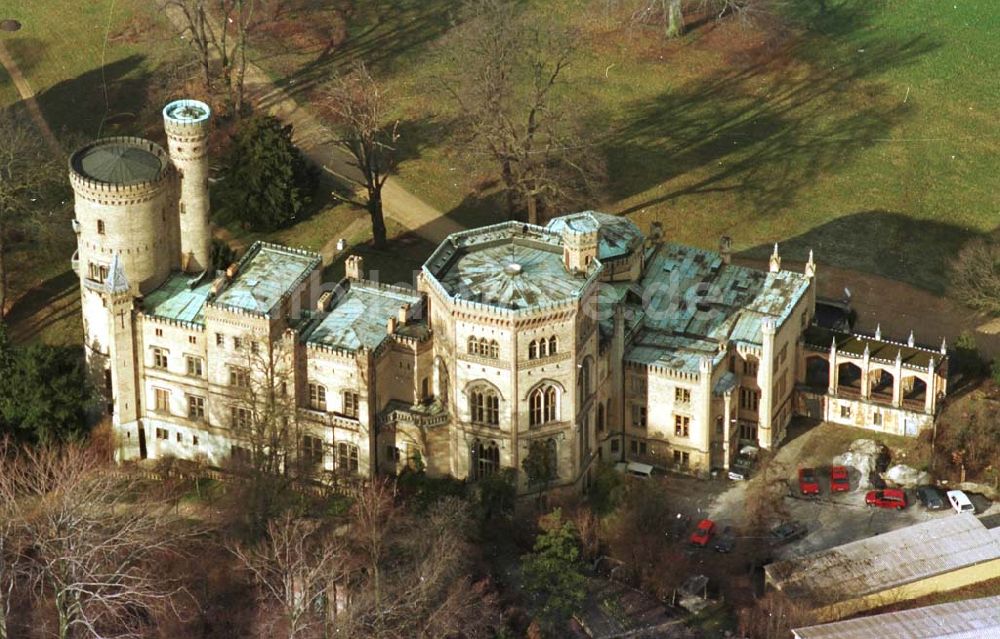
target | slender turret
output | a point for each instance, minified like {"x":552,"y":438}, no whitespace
{"x":187,"y":126}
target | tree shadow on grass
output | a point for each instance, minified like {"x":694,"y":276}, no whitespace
{"x":893,"y":245}
{"x":763,"y":131}
{"x":382,"y":42}
{"x":79,"y":108}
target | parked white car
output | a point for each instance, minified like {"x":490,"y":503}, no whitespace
{"x":960,"y":502}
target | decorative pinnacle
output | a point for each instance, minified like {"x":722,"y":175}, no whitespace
{"x":833,"y":344}
{"x":911,"y":341}
{"x":878,"y":332}
{"x":944,"y":346}
{"x":867,"y":351}
{"x":899,"y":357}
{"x":775,"y":254}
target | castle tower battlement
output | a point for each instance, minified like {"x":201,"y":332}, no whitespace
{"x":187,"y":123}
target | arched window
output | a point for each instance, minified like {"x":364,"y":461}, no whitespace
{"x":484,"y":347}
{"x":543,"y":347}
{"x":543,"y":405}
{"x":494,"y":349}
{"x":552,"y":345}
{"x":484,"y":407}
{"x":485,"y":459}
{"x":473,"y":346}
{"x":533,"y":350}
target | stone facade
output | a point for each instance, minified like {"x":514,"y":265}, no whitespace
{"x":567,"y":345}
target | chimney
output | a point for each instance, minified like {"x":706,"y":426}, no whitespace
{"x":354,"y":267}
{"x":403,"y":314}
{"x":726,"y":249}
{"x":232,"y":270}
{"x":390,"y":325}
{"x":323,"y":303}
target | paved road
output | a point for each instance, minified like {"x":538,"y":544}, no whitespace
{"x":318,"y":143}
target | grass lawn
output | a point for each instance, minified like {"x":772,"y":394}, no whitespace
{"x":94,"y":65}
{"x":866,"y":133}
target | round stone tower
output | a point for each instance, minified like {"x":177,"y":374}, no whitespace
{"x":187,"y":126}
{"x":124,"y":207}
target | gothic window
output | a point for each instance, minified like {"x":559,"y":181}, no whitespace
{"x":159,"y":358}
{"x":484,"y":407}
{"x":351,"y":404}
{"x":162,"y":400}
{"x":196,"y":408}
{"x":311,"y":452}
{"x":639,"y":414}
{"x":543,"y":405}
{"x":194,"y":366}
{"x":494,"y":352}
{"x":485,"y":459}
{"x":584,"y":386}
{"x":682,"y":425}
{"x":473,"y":346}
{"x":317,"y":397}
{"x":241,"y":418}
{"x":239,"y":377}
{"x":552,"y":345}
{"x":533,"y":350}
{"x":347,"y":457}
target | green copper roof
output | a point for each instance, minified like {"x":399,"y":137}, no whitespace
{"x":266,"y":273}
{"x":510,"y":265}
{"x":118,"y":161}
{"x":359,"y":316}
{"x":617,"y":235}
{"x":691,"y":302}
{"x":177,"y":299}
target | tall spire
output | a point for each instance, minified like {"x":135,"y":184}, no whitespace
{"x":116,"y":281}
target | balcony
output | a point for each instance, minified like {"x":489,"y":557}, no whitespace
{"x":74,"y":262}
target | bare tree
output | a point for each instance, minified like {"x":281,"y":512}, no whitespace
{"x":429,"y":592}
{"x":359,"y":104}
{"x":297,"y":567}
{"x":95,"y":543}
{"x":773,"y":616}
{"x":220,"y":35}
{"x":670,"y":11}
{"x":9,"y":534}
{"x":264,"y":417}
{"x":975,"y":275}
{"x":27,"y":174}
{"x":512,"y":70}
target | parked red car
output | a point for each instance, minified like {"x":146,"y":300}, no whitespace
{"x":839,"y":481}
{"x":808,"y":484}
{"x":703,"y":533}
{"x":887,"y":498}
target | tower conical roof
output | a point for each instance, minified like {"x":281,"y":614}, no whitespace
{"x":117,"y":282}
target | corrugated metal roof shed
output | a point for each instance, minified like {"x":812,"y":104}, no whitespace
{"x":968,"y":619}
{"x":885,"y":561}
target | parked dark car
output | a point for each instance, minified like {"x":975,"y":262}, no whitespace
{"x":788,"y":532}
{"x":931,"y":498}
{"x":742,"y":467}
{"x":725,"y":541}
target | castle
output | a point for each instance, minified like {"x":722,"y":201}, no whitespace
{"x":580,"y":341}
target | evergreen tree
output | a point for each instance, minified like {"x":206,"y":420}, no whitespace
{"x":267,"y":182}
{"x":552,"y":573}
{"x":44,"y":392}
